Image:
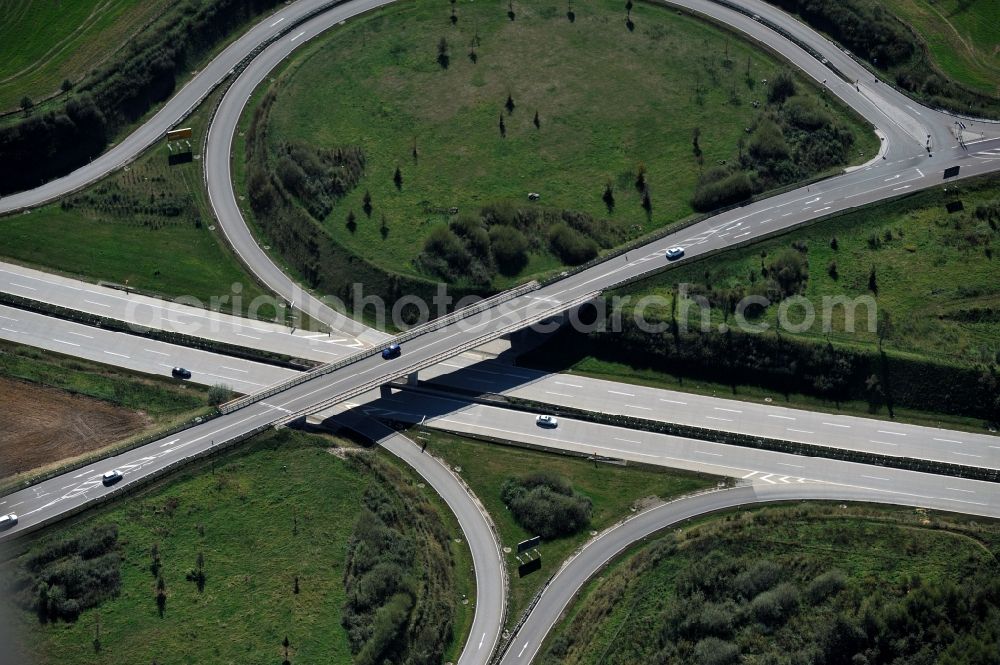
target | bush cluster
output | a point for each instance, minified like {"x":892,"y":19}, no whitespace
{"x":398,"y":577}
{"x":69,"y":574}
{"x":318,"y":178}
{"x":546,"y":505}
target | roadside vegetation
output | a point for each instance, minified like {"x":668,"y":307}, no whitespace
{"x":822,"y":584}
{"x":55,"y":138}
{"x":943,"y":52}
{"x":930,"y":343}
{"x":585,"y":497}
{"x":59,"y":408}
{"x":148,"y":227}
{"x":50,"y":46}
{"x":441,"y":131}
{"x":256,"y":556}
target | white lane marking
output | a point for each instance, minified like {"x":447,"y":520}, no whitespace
{"x":725,"y":420}
{"x":875,"y":477}
{"x":569,"y":385}
{"x":815,"y":200}
{"x":913,"y":109}
{"x":79,"y":334}
{"x":641,"y":408}
{"x":628,"y":441}
{"x":837,"y":425}
{"x":10,"y":330}
{"x":896,"y":189}
{"x":7,"y":318}
{"x":767,"y":479}
{"x":549,"y":392}
{"x":947,"y":440}
{"x":752,"y":473}
{"x":794,"y":466}
{"x":885,"y":431}
{"x":66,"y":487}
{"x":481,"y":640}
{"x":672,"y":401}
{"x":965,"y":454}
{"x":99,"y":304}
{"x":297,"y":36}
{"x":159,"y":353}
{"x":168,"y":443}
{"x":702,"y":452}
{"x":719,"y":408}
{"x":233,"y":369}
{"x":17,"y":504}
{"x":920,"y":172}
{"x":955,"y":489}
{"x":787,"y":214}
{"x":884,"y":443}
{"x":974,"y":503}
{"x":85,"y":473}
{"x":742,"y":234}
{"x":250,"y":336}
{"x":521,"y":652}
{"x":800,"y":431}
{"x":112,"y":353}
{"x":774,"y":415}
{"x":62,"y":341}
{"x":22,"y":286}
{"x":272,"y":406}
{"x":822,"y":209}
{"x":895,"y":177}
{"x":615,"y":392}
{"x":771,"y":219}
{"x":278,"y":21}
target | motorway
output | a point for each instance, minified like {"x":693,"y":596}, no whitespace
{"x":907,"y":166}
{"x":473,"y":373}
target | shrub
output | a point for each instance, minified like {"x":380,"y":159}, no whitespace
{"x":782,"y":87}
{"x":806,"y":113}
{"x":774,"y":607}
{"x":510,"y":249}
{"x":767,"y":142}
{"x":713,"y":651}
{"x":826,"y":585}
{"x":790,"y":270}
{"x":718,"y":188}
{"x":571,"y":246}
{"x":546,"y":505}
{"x":758,"y":578}
{"x":219,"y":394}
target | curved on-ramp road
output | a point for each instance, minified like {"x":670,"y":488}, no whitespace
{"x":567,"y":582}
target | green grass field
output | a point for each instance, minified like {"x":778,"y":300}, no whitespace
{"x":47,"y":42}
{"x":962,"y":38}
{"x":147,"y":226}
{"x":614,"y":491}
{"x":686,"y":593}
{"x":280,"y":507}
{"x":608,"y":101}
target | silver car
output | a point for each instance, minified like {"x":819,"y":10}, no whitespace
{"x":675,"y":253}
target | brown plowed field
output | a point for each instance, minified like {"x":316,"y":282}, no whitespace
{"x":41,"y":425}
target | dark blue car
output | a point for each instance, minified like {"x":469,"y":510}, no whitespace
{"x":391,"y":351}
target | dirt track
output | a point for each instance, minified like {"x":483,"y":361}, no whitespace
{"x":40,"y":425}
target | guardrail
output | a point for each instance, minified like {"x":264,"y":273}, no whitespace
{"x":444,"y":355}
{"x":412,"y":333}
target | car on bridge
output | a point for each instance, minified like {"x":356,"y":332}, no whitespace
{"x":7,"y":521}
{"x":392,"y":351}
{"x":675,"y":253}
{"x":111,"y":477}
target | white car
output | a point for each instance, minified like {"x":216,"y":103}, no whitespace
{"x":7,"y":521}
{"x":675,"y":253}
{"x":546,"y":421}
{"x":111,"y":477}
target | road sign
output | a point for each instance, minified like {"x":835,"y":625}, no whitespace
{"x":178,"y":134}
{"x":529,"y":567}
{"x":951,"y":172}
{"x":525,"y":545}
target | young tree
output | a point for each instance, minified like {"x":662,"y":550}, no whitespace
{"x":443,"y":58}
{"x":647,"y":205}
{"x":538,"y":123}
{"x":503,"y":127}
{"x":352,"y":224}
{"x":873,"y":281}
{"x":609,"y":196}
{"x":366,"y":204}
{"x":695,"y":145}
{"x":161,"y":595}
{"x":66,"y":86}
{"x":397,"y":178}
{"x":640,"y":178}
{"x":509,"y":105}
{"x":27,"y":105}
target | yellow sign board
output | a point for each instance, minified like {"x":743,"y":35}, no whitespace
{"x":178,"y":134}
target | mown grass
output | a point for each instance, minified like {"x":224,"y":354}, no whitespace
{"x":615,"y":492}
{"x":279,"y":508}
{"x":608,"y":100}
{"x":48,"y":42}
{"x":884,"y":553}
{"x":961,"y":37}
